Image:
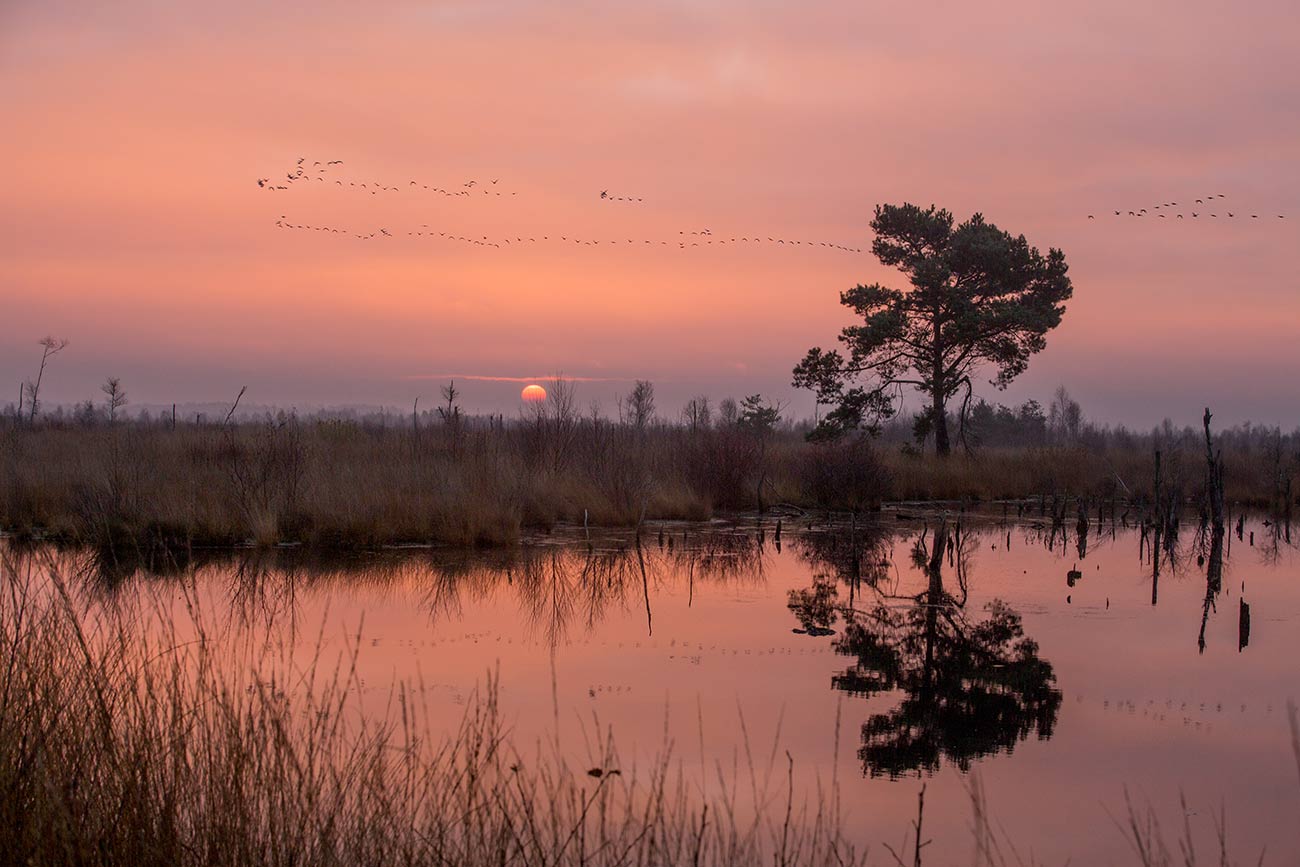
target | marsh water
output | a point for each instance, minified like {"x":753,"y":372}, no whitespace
{"x":1063,"y":672}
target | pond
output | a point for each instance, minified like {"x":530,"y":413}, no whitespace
{"x":1066,"y":675}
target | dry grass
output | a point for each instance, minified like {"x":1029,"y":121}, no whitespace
{"x":347,"y":484}
{"x":116,"y":748}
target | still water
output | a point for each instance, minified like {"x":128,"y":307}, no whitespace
{"x":1063,"y":673}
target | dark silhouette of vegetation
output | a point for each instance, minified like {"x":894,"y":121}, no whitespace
{"x":234,"y":474}
{"x":979,"y":297}
{"x":638,"y":408}
{"x":969,"y":687}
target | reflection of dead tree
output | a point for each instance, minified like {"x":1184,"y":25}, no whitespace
{"x":261,"y":592}
{"x":723,"y":556}
{"x":1214,"y":496}
{"x":856,"y":554}
{"x":645,"y":587}
{"x":546,"y":591}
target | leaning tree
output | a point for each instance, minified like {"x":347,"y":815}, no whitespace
{"x":979,"y":296}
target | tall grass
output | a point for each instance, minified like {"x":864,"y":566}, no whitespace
{"x":119,"y":748}
{"x":333,"y":483}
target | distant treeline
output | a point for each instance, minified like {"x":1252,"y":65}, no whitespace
{"x":440,"y":476}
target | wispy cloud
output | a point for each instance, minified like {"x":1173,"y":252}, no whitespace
{"x":545,"y":378}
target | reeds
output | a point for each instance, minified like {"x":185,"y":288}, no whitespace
{"x":334,"y":484}
{"x":121,"y":748}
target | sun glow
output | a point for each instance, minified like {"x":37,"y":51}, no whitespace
{"x":533,"y":393}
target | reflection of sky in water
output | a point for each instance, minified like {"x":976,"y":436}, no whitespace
{"x":694,"y":641}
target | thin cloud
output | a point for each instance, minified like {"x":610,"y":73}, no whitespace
{"x":547,"y":377}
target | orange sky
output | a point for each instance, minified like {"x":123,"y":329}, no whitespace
{"x":133,"y":225}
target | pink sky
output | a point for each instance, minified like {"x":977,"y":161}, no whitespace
{"x":133,"y":226}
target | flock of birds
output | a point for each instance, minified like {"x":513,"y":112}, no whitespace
{"x":1205,"y":201}
{"x":702,"y":238}
{"x":323,"y":172}
{"x":320,"y":172}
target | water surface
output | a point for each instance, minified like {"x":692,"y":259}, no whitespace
{"x":1061,"y":672}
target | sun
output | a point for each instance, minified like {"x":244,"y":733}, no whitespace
{"x":533,"y":393}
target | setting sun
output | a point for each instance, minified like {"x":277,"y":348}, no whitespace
{"x":533,"y":393}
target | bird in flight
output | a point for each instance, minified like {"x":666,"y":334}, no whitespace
{"x":604,"y":194}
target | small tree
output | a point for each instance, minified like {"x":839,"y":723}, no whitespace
{"x":979,"y":296}
{"x":50,"y":346}
{"x":115,"y":397}
{"x":640,"y":404}
{"x":1065,"y":418}
{"x":759,"y":419}
{"x":698,"y":414}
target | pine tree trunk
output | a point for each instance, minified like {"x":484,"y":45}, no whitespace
{"x":941,"y":445}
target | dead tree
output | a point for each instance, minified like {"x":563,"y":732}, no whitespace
{"x":116,"y":397}
{"x":50,"y":346}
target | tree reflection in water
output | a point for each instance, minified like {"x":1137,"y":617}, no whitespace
{"x":969,"y":687}
{"x":562,"y":590}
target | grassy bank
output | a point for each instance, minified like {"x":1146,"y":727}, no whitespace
{"x":334,"y":483}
